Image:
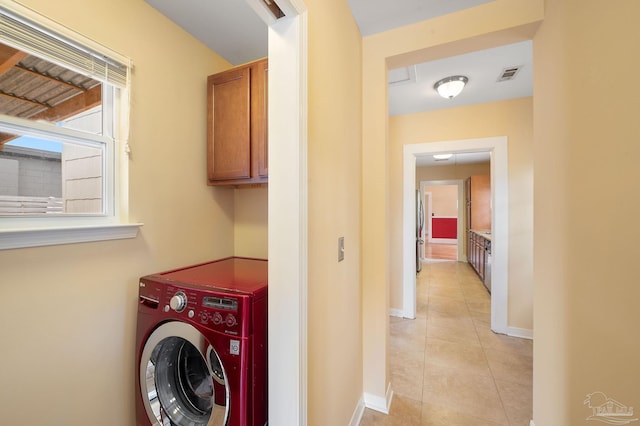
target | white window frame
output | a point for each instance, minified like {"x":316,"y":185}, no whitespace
{"x":20,"y":232}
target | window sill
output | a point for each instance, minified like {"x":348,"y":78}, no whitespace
{"x":22,"y":238}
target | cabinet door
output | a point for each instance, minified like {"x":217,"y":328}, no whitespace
{"x":228,"y":121}
{"x":472,"y":243}
{"x":480,"y":202}
{"x":476,"y":254}
{"x":481,"y":255}
{"x":259,"y":114}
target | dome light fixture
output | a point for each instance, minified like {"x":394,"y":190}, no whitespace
{"x":442,"y":157}
{"x":450,"y":87}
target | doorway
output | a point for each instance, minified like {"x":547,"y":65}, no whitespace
{"x":497,"y":146}
{"x":443,"y":222}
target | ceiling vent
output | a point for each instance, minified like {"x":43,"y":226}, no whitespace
{"x":509,"y":73}
{"x":404,"y":75}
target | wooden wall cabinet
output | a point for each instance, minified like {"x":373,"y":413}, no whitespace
{"x":477,"y":191}
{"x":237,"y":125}
{"x":478,"y":209}
{"x":479,"y":202}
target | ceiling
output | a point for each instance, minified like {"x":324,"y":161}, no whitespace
{"x":483,"y":68}
{"x":375,"y":16}
{"x":232,"y":29}
{"x":458,"y":158}
{"x":228,"y":27}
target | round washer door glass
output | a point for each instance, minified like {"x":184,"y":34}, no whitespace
{"x":184,"y":382}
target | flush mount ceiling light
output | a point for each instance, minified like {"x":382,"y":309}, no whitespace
{"x":450,"y":87}
{"x":440,"y":157}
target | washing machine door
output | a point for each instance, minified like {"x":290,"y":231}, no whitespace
{"x":182,"y":380}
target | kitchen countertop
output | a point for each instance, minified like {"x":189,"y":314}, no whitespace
{"x":484,"y":233}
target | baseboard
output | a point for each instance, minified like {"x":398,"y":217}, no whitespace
{"x":531,"y":423}
{"x":396,"y":312}
{"x":358,"y":413}
{"x":379,"y":403}
{"x":523,"y":333}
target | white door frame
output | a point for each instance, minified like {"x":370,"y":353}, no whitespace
{"x":288,"y":212}
{"x":428,"y":211}
{"x":427,"y":198}
{"x":497,"y":146}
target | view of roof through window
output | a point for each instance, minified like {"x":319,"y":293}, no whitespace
{"x":43,"y":171}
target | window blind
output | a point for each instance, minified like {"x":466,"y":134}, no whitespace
{"x":28,"y":36}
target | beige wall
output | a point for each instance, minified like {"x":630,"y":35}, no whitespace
{"x":334,"y":185}
{"x":586,"y":275}
{"x":250,"y":222}
{"x":457,"y":172}
{"x":444,"y":199}
{"x":513,"y":119}
{"x":68,"y":328}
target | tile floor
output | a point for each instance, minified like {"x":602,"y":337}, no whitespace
{"x":447,"y":366}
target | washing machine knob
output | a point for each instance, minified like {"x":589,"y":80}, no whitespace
{"x":178,"y":302}
{"x":230,"y":320}
{"x":217,"y":318}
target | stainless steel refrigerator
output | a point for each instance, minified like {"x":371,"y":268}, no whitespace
{"x":419,"y":229}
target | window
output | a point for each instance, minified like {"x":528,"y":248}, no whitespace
{"x":63,"y":123}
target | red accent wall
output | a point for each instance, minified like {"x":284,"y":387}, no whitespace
{"x":445,"y":227}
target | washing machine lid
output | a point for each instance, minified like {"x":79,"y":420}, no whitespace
{"x":233,"y":274}
{"x":182,"y":379}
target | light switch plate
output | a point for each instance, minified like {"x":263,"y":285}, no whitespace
{"x":340,"y":249}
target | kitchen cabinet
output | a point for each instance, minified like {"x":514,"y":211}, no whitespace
{"x":478,"y":198}
{"x":237,"y":125}
{"x":479,"y":250}
{"x":478,"y":226}
{"x":477,"y":191}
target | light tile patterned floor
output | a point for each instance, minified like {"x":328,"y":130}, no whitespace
{"x":447,"y":366}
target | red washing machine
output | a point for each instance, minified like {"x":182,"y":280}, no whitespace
{"x":202,"y":345}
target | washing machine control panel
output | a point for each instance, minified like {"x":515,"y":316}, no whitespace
{"x":225,"y":310}
{"x":221,"y":312}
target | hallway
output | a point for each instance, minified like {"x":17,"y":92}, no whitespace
{"x":447,"y":366}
